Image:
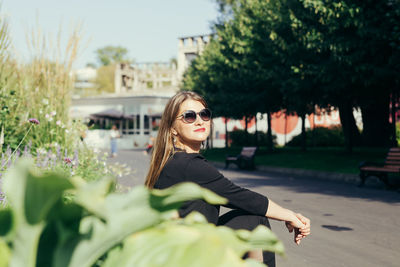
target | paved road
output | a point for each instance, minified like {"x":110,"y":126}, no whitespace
{"x":351,"y":226}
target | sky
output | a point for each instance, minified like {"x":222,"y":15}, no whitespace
{"x":149,"y":29}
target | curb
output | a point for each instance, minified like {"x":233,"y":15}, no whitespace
{"x":330,"y":176}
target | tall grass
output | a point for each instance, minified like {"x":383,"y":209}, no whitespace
{"x":40,"y":88}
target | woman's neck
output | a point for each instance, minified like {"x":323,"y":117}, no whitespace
{"x":189,"y":148}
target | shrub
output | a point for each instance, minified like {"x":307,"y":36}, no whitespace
{"x":239,"y":138}
{"x":320,"y":136}
{"x":99,"y":228}
{"x":41,"y":89}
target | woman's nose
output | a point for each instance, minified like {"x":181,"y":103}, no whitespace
{"x":198,"y":120}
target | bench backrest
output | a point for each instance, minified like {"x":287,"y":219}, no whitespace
{"x":393,"y":158}
{"x":249,"y":151}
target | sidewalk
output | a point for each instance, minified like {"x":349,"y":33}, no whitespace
{"x":140,"y":164}
{"x":299,"y":173}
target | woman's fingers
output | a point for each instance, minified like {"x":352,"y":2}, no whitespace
{"x":297,"y":236}
{"x":289,"y":227}
{"x":306,"y":229}
{"x":304,"y":220}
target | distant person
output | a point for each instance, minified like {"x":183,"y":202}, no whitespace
{"x":185,"y":125}
{"x":114,"y":134}
{"x":150,"y":144}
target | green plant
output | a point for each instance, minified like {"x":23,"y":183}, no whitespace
{"x":41,"y":227}
{"x":321,"y":137}
{"x":239,"y":138}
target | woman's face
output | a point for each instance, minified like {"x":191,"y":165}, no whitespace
{"x":191,"y":134}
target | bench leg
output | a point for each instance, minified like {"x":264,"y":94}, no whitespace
{"x":226,"y":164}
{"x":363,"y":177}
{"x":384,"y":178}
{"x":241,"y":164}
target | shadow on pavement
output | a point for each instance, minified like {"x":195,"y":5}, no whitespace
{"x":374,"y":191}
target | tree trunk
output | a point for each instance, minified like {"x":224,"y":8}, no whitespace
{"x":226,"y":133}
{"x":393,"y":109}
{"x":376,"y":127}
{"x":303,"y":133}
{"x":246,"y":120}
{"x":256,"y":132}
{"x":285,"y":126}
{"x":269,"y":132}
{"x":350,"y":130}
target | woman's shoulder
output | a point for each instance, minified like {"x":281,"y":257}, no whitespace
{"x":185,"y":155}
{"x":184,"y":159}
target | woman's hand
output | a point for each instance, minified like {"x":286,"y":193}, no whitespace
{"x":293,"y":221}
{"x":301,"y":226}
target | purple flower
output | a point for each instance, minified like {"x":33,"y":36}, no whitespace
{"x":58,"y":152}
{"x":8,"y":151}
{"x":34,"y":121}
{"x":67,"y":160}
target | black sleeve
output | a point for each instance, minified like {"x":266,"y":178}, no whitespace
{"x":203,"y":173}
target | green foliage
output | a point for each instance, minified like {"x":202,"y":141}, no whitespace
{"x":240,"y":138}
{"x":39,"y":89}
{"x":104,"y":82}
{"x":320,"y":137}
{"x":99,"y":228}
{"x":42,"y":89}
{"x":294,"y":55}
{"x":112,"y":54}
{"x":327,"y":159}
{"x":398,"y":132}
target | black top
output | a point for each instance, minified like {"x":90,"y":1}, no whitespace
{"x":193,"y":167}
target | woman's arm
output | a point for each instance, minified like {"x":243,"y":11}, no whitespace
{"x":294,"y":221}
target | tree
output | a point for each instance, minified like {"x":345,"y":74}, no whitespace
{"x":105,"y":77}
{"x":343,"y":54}
{"x":293,"y":55}
{"x":360,"y":39}
{"x":112,"y":54}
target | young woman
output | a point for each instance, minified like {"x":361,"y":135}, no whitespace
{"x":185,"y":125}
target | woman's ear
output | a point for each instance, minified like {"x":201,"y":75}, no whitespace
{"x":174,"y":132}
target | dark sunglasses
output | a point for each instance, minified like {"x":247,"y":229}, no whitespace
{"x":190,"y":116}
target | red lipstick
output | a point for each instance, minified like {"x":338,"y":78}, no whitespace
{"x":200,"y":130}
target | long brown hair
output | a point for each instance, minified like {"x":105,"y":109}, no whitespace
{"x":164,"y":146}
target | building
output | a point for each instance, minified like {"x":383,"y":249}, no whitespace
{"x":142,"y":91}
{"x":157,"y":78}
{"x":84,"y":78}
{"x":137,"y":118}
{"x":188,"y":49}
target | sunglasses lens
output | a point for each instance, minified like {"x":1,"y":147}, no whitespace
{"x":205,"y":114}
{"x":189,"y":116}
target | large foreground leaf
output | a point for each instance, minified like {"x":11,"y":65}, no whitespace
{"x":31,"y":198}
{"x":124,"y":214}
{"x":190,"y":242}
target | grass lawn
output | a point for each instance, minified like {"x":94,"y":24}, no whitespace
{"x":332,"y":159}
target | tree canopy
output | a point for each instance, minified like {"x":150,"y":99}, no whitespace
{"x":294,"y":55}
{"x":112,"y":54}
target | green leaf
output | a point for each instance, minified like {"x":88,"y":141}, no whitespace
{"x":183,"y":192}
{"x":4,"y":253}
{"x":92,"y":195}
{"x":5,"y":221}
{"x":31,"y":198}
{"x":26,"y":236}
{"x":185,"y":242}
{"x":124,"y":214}
{"x":42,"y":193}
{"x":262,"y":238}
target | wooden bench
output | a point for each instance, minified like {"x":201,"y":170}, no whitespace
{"x":391,"y":165}
{"x":245,"y":160}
